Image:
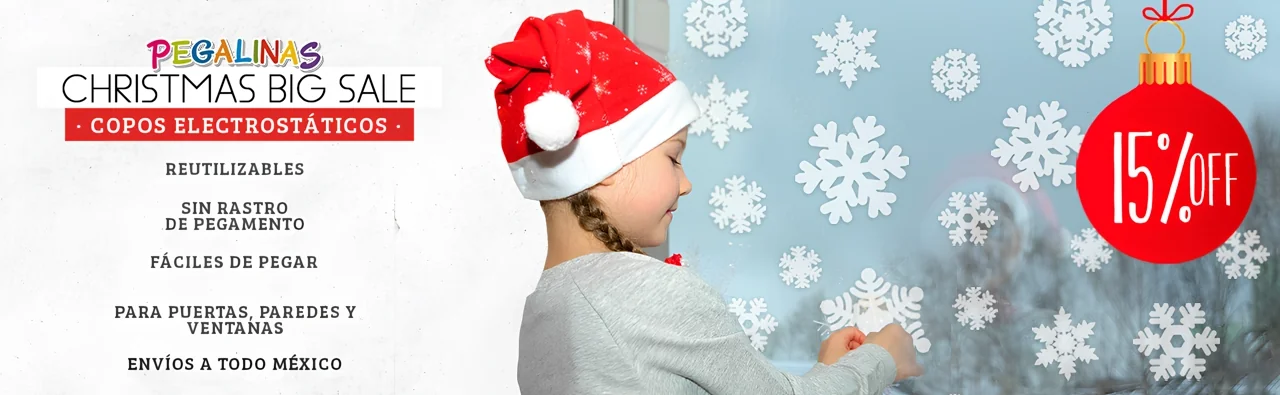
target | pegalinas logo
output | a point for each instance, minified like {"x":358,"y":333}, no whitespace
{"x":204,"y":52}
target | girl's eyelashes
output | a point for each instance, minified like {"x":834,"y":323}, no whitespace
{"x":675,"y":161}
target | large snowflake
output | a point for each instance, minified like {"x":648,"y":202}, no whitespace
{"x":1243,"y":256}
{"x":1074,"y":32}
{"x":737,"y":204}
{"x":968,"y":218}
{"x":846,"y":51}
{"x":1039,"y":145}
{"x":955,"y":74}
{"x":800,"y":267}
{"x":1065,"y":343}
{"x":866,"y":307}
{"x":1088,"y":249}
{"x":1191,"y":316}
{"x":975,"y":307}
{"x":849,"y":160}
{"x":720,"y":112}
{"x":755,"y":321}
{"x":1246,"y":37}
{"x":715,"y":26}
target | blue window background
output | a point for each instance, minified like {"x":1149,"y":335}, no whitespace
{"x":1026,"y":261}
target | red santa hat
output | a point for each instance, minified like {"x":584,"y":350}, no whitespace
{"x":577,"y":100}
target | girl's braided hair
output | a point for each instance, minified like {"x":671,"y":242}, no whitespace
{"x":593,"y":219}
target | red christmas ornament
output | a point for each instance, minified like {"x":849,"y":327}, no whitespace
{"x":1166,"y":173}
{"x":674,"y":259}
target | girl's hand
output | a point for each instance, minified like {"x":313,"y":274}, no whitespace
{"x":839,"y":343}
{"x":899,"y":344}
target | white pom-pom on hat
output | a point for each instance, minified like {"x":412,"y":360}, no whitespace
{"x":551,"y":121}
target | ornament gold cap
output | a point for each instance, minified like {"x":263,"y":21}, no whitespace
{"x":1164,"y":68}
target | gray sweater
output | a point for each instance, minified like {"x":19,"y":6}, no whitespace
{"x":624,"y":323}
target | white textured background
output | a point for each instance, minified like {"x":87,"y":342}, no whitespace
{"x":429,"y":239}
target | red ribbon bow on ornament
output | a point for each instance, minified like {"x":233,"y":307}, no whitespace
{"x":1164,"y":15}
{"x":674,"y":259}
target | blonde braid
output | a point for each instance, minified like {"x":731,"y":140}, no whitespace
{"x":593,"y":219}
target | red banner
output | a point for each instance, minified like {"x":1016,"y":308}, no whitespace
{"x":239,"y":124}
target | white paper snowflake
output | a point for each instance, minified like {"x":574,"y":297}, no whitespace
{"x":955,"y":74}
{"x":968,"y":218}
{"x":1074,"y":32}
{"x":866,"y":307}
{"x":975,"y":307}
{"x":1065,"y":343}
{"x":852,"y":160}
{"x":716,"y":26}
{"x":1246,"y":37}
{"x":800,"y":267}
{"x":846,"y":51}
{"x":1088,"y":249}
{"x":1191,"y":316}
{"x":1243,"y":257}
{"x":1039,"y":146}
{"x":737,"y":205}
{"x":755,"y":321}
{"x":720,"y":112}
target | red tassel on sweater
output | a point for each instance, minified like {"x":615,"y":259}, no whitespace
{"x":674,"y":259}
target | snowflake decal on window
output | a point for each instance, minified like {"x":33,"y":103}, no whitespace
{"x":1039,"y":146}
{"x":1074,"y":32}
{"x":1246,"y":37}
{"x":968,"y":218}
{"x":846,"y":51}
{"x":755,"y":321}
{"x":849,"y":160}
{"x":720,"y":112}
{"x":1065,"y":343}
{"x":800,"y":267}
{"x":975,"y":307}
{"x":1206,"y":341}
{"x":872,"y":303}
{"x":955,"y":74}
{"x":716,"y":26}
{"x":1243,"y":255}
{"x":1088,"y":249}
{"x":737,"y":205}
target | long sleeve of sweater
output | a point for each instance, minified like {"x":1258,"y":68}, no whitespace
{"x":675,"y":333}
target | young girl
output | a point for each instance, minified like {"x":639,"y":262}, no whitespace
{"x":595,"y":130}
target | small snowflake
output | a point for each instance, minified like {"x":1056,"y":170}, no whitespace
{"x":602,"y":88}
{"x":1246,"y":37}
{"x":720,"y":112}
{"x":1247,"y":255}
{"x":664,"y":75}
{"x":1088,"y":249}
{"x":852,"y":159}
{"x":584,"y":50}
{"x":846,"y":51}
{"x":800,"y":267}
{"x":602,"y":56}
{"x":756,"y":321}
{"x":1065,"y":343}
{"x":1039,"y":146}
{"x":967,"y":218}
{"x":1192,"y":366}
{"x":955,"y":74}
{"x":642,"y":90}
{"x":1074,"y":32}
{"x":866,"y":307}
{"x":975,"y":307}
{"x":543,"y":62}
{"x":737,"y":205}
{"x":715,"y":26}
{"x":596,"y":35}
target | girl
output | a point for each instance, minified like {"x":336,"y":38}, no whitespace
{"x":595,"y":130}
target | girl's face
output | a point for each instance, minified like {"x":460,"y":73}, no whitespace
{"x":640,"y":199}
